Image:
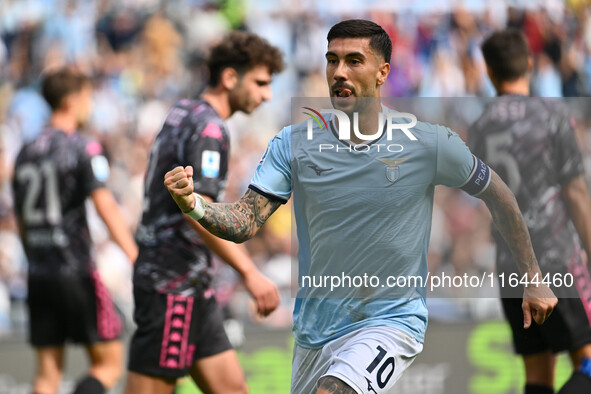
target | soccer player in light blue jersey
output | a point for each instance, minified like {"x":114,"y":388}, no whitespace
{"x":363,"y":202}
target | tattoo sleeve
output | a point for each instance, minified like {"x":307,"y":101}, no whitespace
{"x":331,"y":384}
{"x":508,"y":219}
{"x":241,"y":220}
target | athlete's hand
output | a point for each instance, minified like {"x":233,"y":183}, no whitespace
{"x":263,"y":291}
{"x":538,"y":302}
{"x":179,"y":183}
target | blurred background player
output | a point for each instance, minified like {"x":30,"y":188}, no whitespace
{"x":361,"y":339}
{"x":531,"y":144}
{"x":54,"y":175}
{"x":180,"y":326}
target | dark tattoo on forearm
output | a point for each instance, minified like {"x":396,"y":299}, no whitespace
{"x":510,"y":223}
{"x":239,"y":221}
{"x":335,"y":385}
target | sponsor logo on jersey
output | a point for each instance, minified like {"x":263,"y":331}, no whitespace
{"x":319,"y":170}
{"x":210,"y":164}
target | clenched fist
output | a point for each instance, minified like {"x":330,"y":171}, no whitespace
{"x":179,"y":183}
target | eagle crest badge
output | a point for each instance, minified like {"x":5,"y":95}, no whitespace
{"x":393,"y":169}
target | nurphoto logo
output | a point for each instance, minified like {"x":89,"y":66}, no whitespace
{"x":344,"y":124}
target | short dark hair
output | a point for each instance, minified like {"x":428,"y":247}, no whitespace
{"x":242,"y":52}
{"x":506,"y":53}
{"x":59,"y":84}
{"x":379,"y":40}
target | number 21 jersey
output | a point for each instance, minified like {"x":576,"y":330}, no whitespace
{"x":53,"y":176}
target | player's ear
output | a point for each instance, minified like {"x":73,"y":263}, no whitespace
{"x":383,"y":71}
{"x":229,"y":78}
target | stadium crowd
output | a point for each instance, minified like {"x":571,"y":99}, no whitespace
{"x":143,"y":55}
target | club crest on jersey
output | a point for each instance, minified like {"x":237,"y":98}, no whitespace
{"x":393,"y":173}
{"x":393,"y":169}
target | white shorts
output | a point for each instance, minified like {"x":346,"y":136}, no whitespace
{"x":370,"y":360}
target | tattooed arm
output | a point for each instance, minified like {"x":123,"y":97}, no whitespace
{"x":538,"y":301}
{"x":241,"y":220}
{"x":330,"y":384}
{"x":235,"y":222}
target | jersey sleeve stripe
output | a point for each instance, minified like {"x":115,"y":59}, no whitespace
{"x":267,"y":194}
{"x":479,"y":178}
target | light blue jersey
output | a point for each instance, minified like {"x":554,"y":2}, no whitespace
{"x":363,"y":210}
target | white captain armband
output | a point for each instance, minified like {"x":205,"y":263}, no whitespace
{"x":199,"y":210}
{"x":479,"y":178}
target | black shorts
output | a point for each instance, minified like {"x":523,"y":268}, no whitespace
{"x":173,"y":331}
{"x":568,"y":327}
{"x":77,"y":309}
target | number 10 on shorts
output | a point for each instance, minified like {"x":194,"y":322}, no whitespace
{"x":385,"y":369}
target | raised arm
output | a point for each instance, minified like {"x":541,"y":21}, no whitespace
{"x":236,"y":222}
{"x":538,"y":301}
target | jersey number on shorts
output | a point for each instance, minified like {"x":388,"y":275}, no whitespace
{"x":386,"y":365}
{"x":37,"y":176}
